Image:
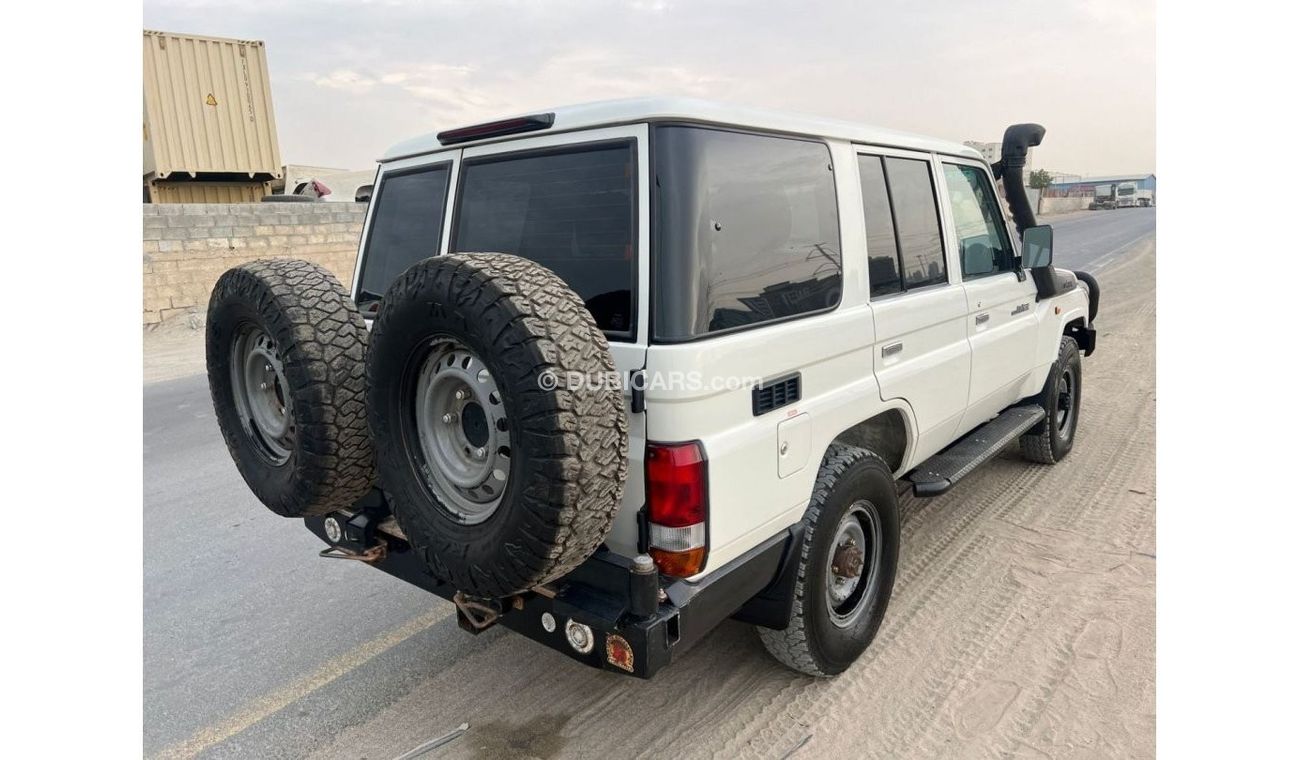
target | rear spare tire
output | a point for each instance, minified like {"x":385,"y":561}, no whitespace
{"x":286,"y":368}
{"x":502,"y":471}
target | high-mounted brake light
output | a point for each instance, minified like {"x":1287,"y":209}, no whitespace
{"x":530,"y":123}
{"x":677,"y":503}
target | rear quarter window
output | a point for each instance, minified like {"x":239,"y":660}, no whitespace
{"x":747,"y":231}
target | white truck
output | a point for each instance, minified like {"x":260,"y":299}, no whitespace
{"x":1121,"y":195}
{"x":611,"y":374}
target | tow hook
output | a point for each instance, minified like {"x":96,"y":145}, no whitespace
{"x":354,"y":537}
{"x":476,"y":615}
{"x":374,"y":554}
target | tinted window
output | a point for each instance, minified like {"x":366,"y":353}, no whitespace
{"x":916,"y":217}
{"x":406,"y":227}
{"x":983,"y":246}
{"x":882,"y":245}
{"x":573,"y":211}
{"x":747,"y":230}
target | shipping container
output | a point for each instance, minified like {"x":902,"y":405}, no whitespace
{"x":207,"y":109}
{"x":189,"y":191}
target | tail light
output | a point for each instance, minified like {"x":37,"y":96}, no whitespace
{"x":677,"y":504}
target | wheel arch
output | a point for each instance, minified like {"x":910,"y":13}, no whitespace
{"x":890,"y":434}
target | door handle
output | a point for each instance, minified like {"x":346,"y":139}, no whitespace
{"x":981,"y":318}
{"x":891,"y":349}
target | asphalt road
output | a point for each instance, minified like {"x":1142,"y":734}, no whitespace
{"x":254,"y":647}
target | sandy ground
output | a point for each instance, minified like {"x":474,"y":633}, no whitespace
{"x":1022,"y":625}
{"x":173,"y":349}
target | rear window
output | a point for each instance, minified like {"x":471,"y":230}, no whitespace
{"x":747,"y":231}
{"x":406,"y":227}
{"x":572,"y":210}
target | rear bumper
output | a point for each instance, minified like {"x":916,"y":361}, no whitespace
{"x":607,"y":596}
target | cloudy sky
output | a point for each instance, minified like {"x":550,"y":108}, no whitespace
{"x":351,"y":78}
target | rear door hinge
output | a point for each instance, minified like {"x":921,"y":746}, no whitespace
{"x":636,"y":382}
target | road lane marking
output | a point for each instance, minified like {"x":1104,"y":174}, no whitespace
{"x":1110,"y":256}
{"x":276,"y":701}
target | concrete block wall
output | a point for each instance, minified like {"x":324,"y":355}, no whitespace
{"x":1062,"y":205}
{"x":188,"y":246}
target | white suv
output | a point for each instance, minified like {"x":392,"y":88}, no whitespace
{"x":696,"y":352}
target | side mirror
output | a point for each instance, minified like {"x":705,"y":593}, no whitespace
{"x":1036,"y":247}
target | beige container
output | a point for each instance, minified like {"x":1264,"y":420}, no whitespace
{"x":163,"y":191}
{"x":207,"y":108}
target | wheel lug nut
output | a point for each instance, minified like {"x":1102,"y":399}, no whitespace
{"x":263,"y":386}
{"x":449,"y":417}
{"x":480,"y":453}
{"x":268,"y":368}
{"x":461,"y":395}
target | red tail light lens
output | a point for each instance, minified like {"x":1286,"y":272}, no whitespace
{"x":677,"y":505}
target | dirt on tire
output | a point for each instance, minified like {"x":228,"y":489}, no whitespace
{"x":309,"y":322}
{"x":567,"y":445}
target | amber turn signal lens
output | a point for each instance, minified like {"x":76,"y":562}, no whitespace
{"x":679,"y":564}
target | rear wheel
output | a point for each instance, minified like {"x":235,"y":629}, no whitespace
{"x":847,"y":565}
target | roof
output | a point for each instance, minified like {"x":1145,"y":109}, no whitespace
{"x":1113,"y":178}
{"x":634,"y":110}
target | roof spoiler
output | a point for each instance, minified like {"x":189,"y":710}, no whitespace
{"x":1016,"y":142}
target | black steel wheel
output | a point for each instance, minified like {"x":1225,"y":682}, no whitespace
{"x":1051,"y":440}
{"x":846,"y":566}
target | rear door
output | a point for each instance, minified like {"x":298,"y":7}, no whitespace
{"x":577,"y":203}
{"x":922,"y":355}
{"x":1000,"y":316}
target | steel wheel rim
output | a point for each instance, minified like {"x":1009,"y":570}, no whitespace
{"x":851,"y":577}
{"x":261,"y":394}
{"x":1066,"y":398}
{"x":461,"y":425}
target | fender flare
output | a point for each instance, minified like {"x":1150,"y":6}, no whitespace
{"x":1094,"y":293}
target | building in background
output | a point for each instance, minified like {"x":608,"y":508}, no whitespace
{"x":209,"y":124}
{"x":992,"y":152}
{"x":1086,"y":187}
{"x":1060,"y":178}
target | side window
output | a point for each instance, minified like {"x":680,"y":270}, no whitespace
{"x":916,"y":215}
{"x":984,"y":247}
{"x":882,"y":245}
{"x":904,"y":244}
{"x":406,"y":227}
{"x":747,"y":230}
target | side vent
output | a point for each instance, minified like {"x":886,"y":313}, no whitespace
{"x":774,"y":394}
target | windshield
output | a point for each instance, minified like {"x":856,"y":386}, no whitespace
{"x":1126,"y":190}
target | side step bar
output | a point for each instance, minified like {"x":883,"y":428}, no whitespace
{"x":939,"y":473}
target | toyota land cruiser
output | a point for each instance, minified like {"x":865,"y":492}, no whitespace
{"x":613,"y":373}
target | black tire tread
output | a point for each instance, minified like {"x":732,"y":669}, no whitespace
{"x":586,"y":431}
{"x":791,"y":646}
{"x":322,"y":341}
{"x":1036,"y":445}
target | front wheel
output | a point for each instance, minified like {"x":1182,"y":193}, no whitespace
{"x":846,"y":568}
{"x":1050,"y":440}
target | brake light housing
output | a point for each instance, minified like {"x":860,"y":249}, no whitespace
{"x":517,"y":125}
{"x":677,"y":507}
